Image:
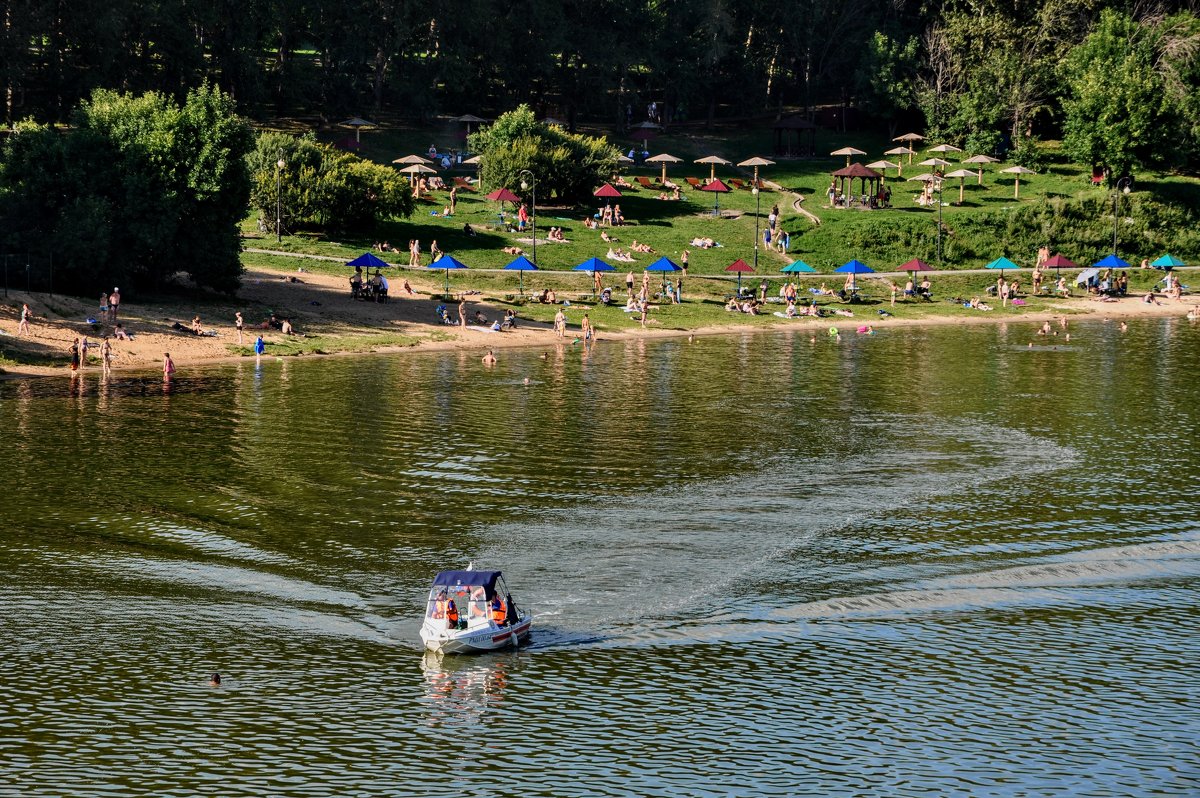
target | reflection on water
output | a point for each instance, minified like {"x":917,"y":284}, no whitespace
{"x":925,"y":561}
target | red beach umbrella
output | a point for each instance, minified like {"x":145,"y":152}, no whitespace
{"x":718,"y":188}
{"x":503,"y":195}
{"x":741,"y":267}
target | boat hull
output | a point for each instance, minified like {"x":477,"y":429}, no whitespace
{"x":478,"y":640}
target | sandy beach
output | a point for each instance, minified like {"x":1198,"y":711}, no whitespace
{"x":318,"y":305}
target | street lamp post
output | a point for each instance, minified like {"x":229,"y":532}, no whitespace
{"x":278,"y":201}
{"x":531,"y":186}
{"x":757,"y":209}
{"x":939,"y":236}
{"x":1122,"y":188}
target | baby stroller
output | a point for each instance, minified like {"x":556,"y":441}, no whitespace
{"x":443,"y":315}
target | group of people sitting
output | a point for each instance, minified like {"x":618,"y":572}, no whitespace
{"x":375,"y":288}
{"x":556,"y":235}
{"x":479,"y":609}
{"x":619,"y":254}
{"x":609,"y":216}
{"x":704,"y":243}
{"x":743,"y":305}
{"x":547,"y":297}
{"x":515,"y":251}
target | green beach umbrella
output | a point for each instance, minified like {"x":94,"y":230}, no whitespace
{"x":1167,"y":261}
{"x":798,"y":267}
{"x":1002,"y":264}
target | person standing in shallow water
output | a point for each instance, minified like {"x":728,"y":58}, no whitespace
{"x":105,"y":357}
{"x":75,"y":355}
{"x":168,"y":366}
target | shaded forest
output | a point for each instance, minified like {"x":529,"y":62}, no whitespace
{"x":986,"y":73}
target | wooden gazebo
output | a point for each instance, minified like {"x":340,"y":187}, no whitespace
{"x":790,"y":133}
{"x":866,"y":177}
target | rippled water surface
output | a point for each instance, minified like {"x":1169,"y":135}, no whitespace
{"x":926,"y":562}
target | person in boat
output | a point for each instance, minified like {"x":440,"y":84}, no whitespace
{"x":477,"y":605}
{"x":499,"y":611}
{"x":444,"y":607}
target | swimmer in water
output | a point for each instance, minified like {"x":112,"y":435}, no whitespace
{"x":215,"y":680}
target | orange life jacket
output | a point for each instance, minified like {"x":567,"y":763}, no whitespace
{"x":499,"y":612}
{"x":451,"y":613}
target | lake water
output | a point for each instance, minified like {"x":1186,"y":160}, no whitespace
{"x":926,"y":562}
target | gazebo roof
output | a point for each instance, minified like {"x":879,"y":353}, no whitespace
{"x":857,"y":170}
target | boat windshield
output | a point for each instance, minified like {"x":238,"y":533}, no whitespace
{"x":472,"y":603}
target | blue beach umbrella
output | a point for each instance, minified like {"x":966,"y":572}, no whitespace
{"x":447,"y":262}
{"x":369,"y":261}
{"x":1110,"y":262}
{"x":854,"y":267}
{"x":664,"y":265}
{"x":521,"y":265}
{"x":593,"y":265}
{"x":1167,"y":261}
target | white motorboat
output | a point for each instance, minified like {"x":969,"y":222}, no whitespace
{"x":469,"y":612}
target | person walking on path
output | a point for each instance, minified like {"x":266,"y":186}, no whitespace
{"x":23,"y":327}
{"x":239,"y":324}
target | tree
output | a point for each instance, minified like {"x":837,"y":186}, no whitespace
{"x":887,"y":78}
{"x":322,"y":187}
{"x":1116,"y":112}
{"x":566,"y":165}
{"x":138,"y":189}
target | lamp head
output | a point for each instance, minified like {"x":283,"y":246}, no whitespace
{"x":524,"y":186}
{"x":281,"y":163}
{"x":1126,"y":189}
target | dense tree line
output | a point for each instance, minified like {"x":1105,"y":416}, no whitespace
{"x":986,"y":73}
{"x":139,"y":188}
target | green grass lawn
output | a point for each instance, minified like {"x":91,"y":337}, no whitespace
{"x":1056,"y":204}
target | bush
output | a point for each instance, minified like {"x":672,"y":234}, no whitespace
{"x":566,"y":165}
{"x":139,"y":188}
{"x":323,"y":188}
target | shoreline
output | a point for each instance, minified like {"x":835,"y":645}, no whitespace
{"x":404,"y":325}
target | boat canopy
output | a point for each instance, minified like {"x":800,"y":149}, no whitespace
{"x":468,"y":579}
